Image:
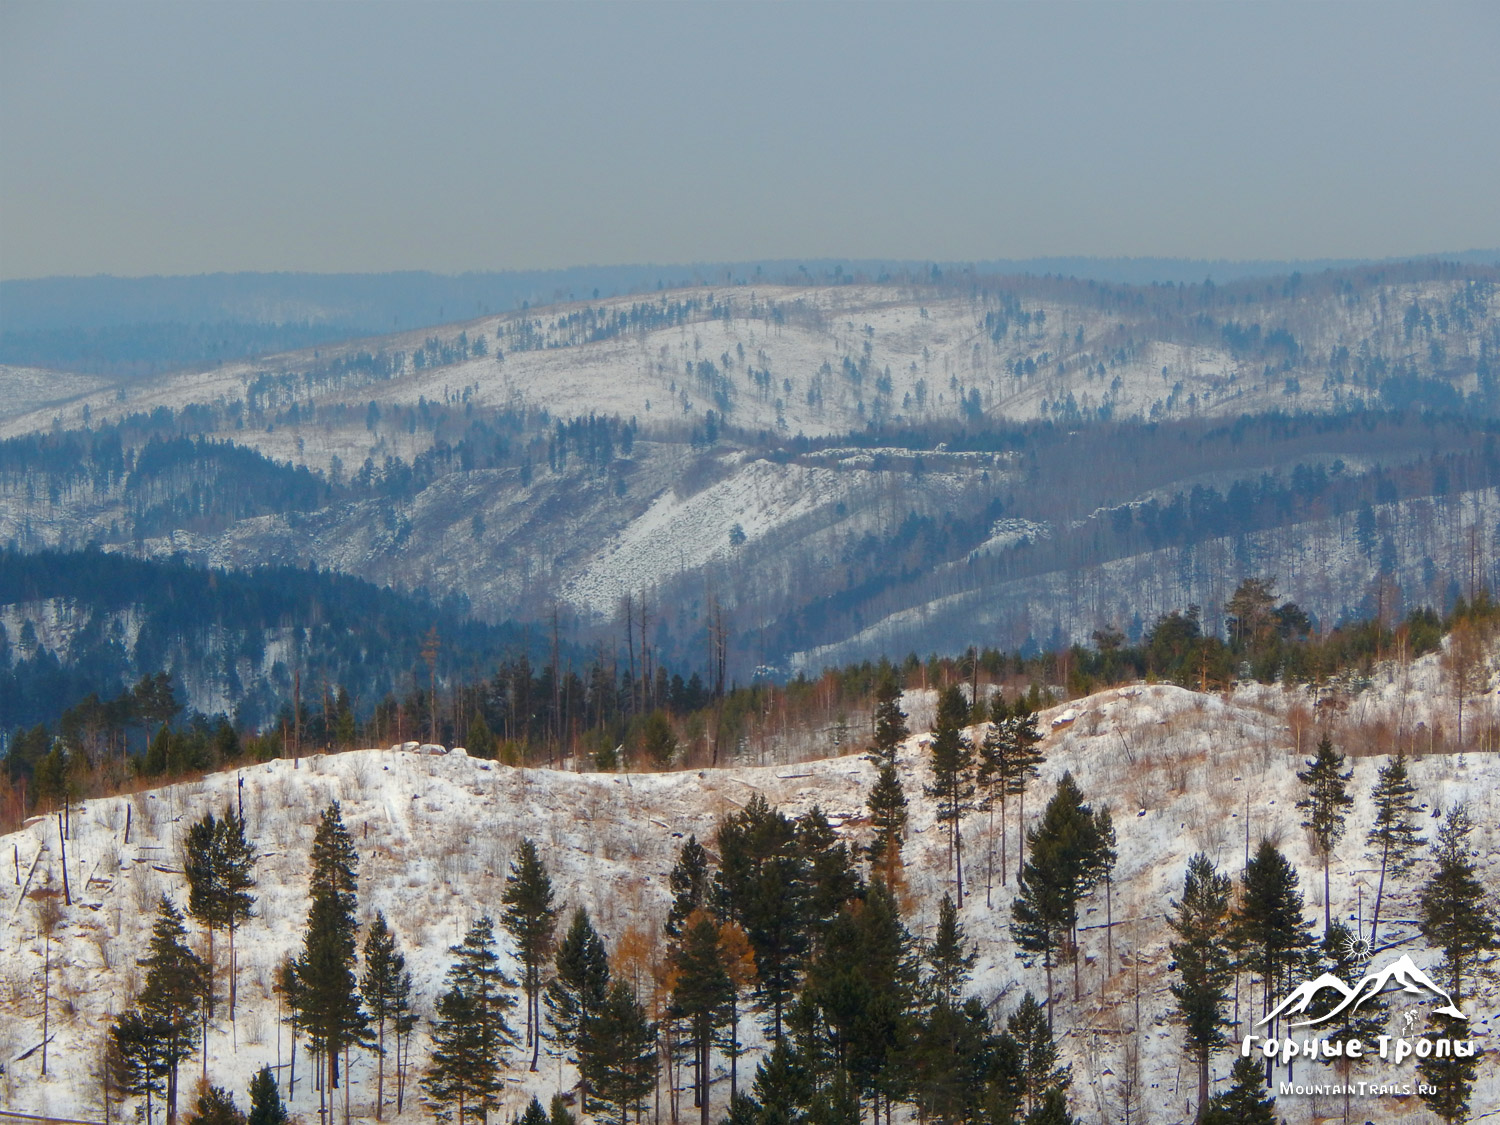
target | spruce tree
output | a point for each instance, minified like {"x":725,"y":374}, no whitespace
{"x":952,"y":1058}
{"x":1053,"y":1110}
{"x":579,"y":984}
{"x":476,"y":972}
{"x":762,"y":886}
{"x":266,"y":1107}
{"x":701,"y":995}
{"x":1454,"y":911}
{"x":890,"y":723}
{"x":326,"y":994}
{"x":952,"y":775}
{"x":690,"y":882}
{"x":887,"y":803}
{"x":1394,"y":832}
{"x":1030,"y":1028}
{"x":386,"y":988}
{"x":1326,"y":805}
{"x":1205,"y":969}
{"x":534,"y":1114}
{"x":216,"y":1107}
{"x":1245,"y":1101}
{"x":462,"y":1074}
{"x":1447,"y":1082}
{"x":620,"y":1068}
{"x":530,"y":919}
{"x":1269,"y":927}
{"x":831,"y":879}
{"x":138,"y":1045}
{"x":949,"y":957}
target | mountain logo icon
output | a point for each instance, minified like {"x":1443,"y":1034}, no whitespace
{"x":1402,"y":972}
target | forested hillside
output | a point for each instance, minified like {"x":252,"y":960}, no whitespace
{"x":841,"y":939}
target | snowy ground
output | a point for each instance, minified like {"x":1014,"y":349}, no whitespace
{"x":1182,"y":772}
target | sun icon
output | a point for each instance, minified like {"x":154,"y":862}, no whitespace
{"x":1357,"y":949}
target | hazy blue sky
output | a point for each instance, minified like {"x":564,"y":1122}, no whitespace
{"x":140,"y":138}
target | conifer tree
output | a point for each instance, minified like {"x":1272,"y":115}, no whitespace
{"x":690,"y":882}
{"x":530,"y":919}
{"x":266,"y":1107}
{"x":1454,"y":912}
{"x":1394,"y":831}
{"x":887,"y":803}
{"x":950,"y":957}
{"x":952,"y":1058}
{"x":831,"y":879}
{"x":142,"y":1066}
{"x":534,"y":1114}
{"x":1068,"y":858}
{"x":1030,"y":1028}
{"x":1204,"y":966}
{"x":1447,"y":1081}
{"x":890,"y":723}
{"x":216,"y":1107}
{"x":559,"y":1113}
{"x":169,"y":1003}
{"x":701,"y":994}
{"x":219,"y":864}
{"x":1268,"y":924}
{"x":1245,"y":1101}
{"x":739,"y":964}
{"x":1327,"y":804}
{"x":1053,"y":1110}
{"x":326,"y":994}
{"x":1025,"y":768}
{"x":476,"y":972}
{"x":952,"y":775}
{"x":783,"y":1087}
{"x":620,"y":1068}
{"x":1363,"y":1022}
{"x":762,"y":886}
{"x":579,"y":984}
{"x":386,"y":988}
{"x":462,"y":1074}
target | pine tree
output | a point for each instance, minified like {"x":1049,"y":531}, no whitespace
{"x":620,"y":1068}
{"x":266,"y":1107}
{"x":783,"y":1087}
{"x":1245,"y":1102}
{"x":690,"y":882}
{"x":326,"y":995}
{"x":172,"y":996}
{"x":143,"y":1066}
{"x":1024,"y":769}
{"x":530,"y":919}
{"x":1454,"y":912}
{"x":887,"y":803}
{"x":216,"y":1107}
{"x":1204,"y":966}
{"x":386,"y":988}
{"x":1068,"y":858}
{"x":701,"y":994}
{"x":890,"y":723}
{"x":1327,"y":804}
{"x":559,"y":1113}
{"x":1030,"y":1028}
{"x":739,"y":964}
{"x":219,"y":864}
{"x":534,"y":1114}
{"x":952,"y":775}
{"x":1394,"y":832}
{"x":952,"y":1058}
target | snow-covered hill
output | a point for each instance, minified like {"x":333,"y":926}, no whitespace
{"x":1182,"y":772}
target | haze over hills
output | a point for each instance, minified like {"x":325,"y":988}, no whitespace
{"x":842,"y":470}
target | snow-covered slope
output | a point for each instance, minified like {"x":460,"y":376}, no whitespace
{"x":1182,"y":773}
